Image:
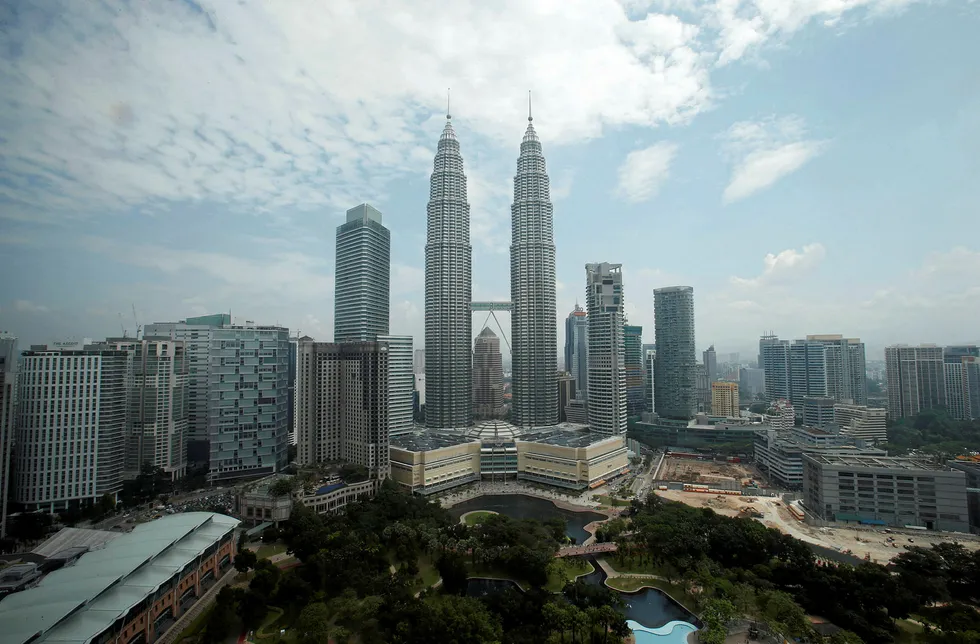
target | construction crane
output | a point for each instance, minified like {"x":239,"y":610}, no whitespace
{"x":137,"y":322}
{"x":121,"y":326}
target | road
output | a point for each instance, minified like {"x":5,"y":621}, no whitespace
{"x":641,"y":484}
{"x":119,"y":519}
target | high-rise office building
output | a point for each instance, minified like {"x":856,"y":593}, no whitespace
{"x":534,"y":356}
{"x":751,"y":382}
{"x":808,"y":371}
{"x":418,"y":364}
{"x":8,"y":417}
{"x":710,"y":360}
{"x":607,"y":346}
{"x":774,"y":360}
{"x":71,"y":425}
{"x":401,"y":384}
{"x":961,"y":367}
{"x":702,"y":388}
{"x":676,"y":364}
{"x":488,"y":375}
{"x":845,"y":365}
{"x":724,"y":399}
{"x":156,"y":429}
{"x":249,"y":395}
{"x":363,"y":275}
{"x":915,"y":380}
{"x":566,"y":392}
{"x":633,"y":357}
{"x":342,"y":404}
{"x":195,"y":333}
{"x":448,"y":290}
{"x":291,"y":398}
{"x":649,"y":384}
{"x":577,"y":350}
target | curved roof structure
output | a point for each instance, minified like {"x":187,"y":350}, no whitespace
{"x":77,"y":603}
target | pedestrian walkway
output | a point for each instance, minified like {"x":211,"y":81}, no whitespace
{"x":578,"y":551}
{"x":199,"y":607}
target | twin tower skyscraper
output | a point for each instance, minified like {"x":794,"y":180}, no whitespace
{"x":449,"y":290}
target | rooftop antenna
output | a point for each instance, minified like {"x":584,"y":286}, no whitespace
{"x":449,"y":114}
{"x":529,"y":117}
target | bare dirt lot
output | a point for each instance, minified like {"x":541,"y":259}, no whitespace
{"x":861,"y":542}
{"x":694,"y":471}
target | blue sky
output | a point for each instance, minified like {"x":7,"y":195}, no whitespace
{"x":808,"y":166}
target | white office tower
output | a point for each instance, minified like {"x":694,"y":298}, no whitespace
{"x":248,"y":414}
{"x":401,"y":384}
{"x":362,"y":276}
{"x":418,"y":365}
{"x":8,"y":416}
{"x":195,"y":333}
{"x":448,"y":290}
{"x":607,"y":348}
{"x":156,"y":432}
{"x":71,"y":426}
{"x":534,"y":356}
{"x":342,"y":404}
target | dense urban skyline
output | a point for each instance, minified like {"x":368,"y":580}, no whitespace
{"x":774,"y":153}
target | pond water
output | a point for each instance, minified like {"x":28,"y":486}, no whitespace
{"x":665,"y":620}
{"x":519,"y":506}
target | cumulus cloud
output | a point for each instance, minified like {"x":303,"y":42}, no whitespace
{"x":644,"y":171}
{"x":785,"y":264}
{"x":744,"y":25}
{"x":763,"y":152}
{"x":114,"y":105}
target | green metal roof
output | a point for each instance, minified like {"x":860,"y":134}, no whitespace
{"x":74,"y":604}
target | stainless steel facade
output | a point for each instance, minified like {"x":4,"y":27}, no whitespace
{"x":448,"y":290}
{"x":577,"y":350}
{"x":532,"y":291}
{"x":363,"y":277}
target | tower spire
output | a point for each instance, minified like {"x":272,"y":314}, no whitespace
{"x":529,"y":117}
{"x":449,"y":114}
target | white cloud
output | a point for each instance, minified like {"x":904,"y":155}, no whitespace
{"x":744,"y":25}
{"x":259,"y":105}
{"x":644,"y":171}
{"x":764,"y":152}
{"x":785,"y":264}
{"x":26,"y":306}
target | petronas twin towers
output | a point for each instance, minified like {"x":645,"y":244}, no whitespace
{"x":448,"y":290}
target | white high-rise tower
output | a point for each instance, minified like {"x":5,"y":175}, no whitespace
{"x":532,"y":290}
{"x":448,"y":290}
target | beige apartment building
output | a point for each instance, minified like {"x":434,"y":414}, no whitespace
{"x":724,"y":399}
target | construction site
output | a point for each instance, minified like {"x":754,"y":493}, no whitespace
{"x":729,"y":475}
{"x":874,"y":544}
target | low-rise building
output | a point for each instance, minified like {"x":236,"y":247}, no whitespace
{"x":780,"y":454}
{"x":818,"y":410}
{"x":781,"y":415}
{"x":680,"y":433}
{"x":881,"y":490}
{"x":130,"y":591}
{"x":861,"y":422}
{"x":256,"y":503}
{"x":564,"y":455}
{"x":971,"y":467}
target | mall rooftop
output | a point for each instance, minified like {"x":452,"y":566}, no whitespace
{"x":74,"y":605}
{"x":879,"y":462}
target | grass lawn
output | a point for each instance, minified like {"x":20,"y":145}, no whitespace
{"x":605,"y":499}
{"x":907,"y":631}
{"x":427,"y":572}
{"x":273,"y":616}
{"x":572,"y":568}
{"x":269,"y":549}
{"x":477,"y":516}
{"x":491,"y":573}
{"x":634,"y":567}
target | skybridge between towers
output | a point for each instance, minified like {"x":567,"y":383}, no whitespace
{"x":491,"y":308}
